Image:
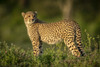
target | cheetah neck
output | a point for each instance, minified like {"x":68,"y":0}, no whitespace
{"x":33,"y":26}
{"x":28,"y":26}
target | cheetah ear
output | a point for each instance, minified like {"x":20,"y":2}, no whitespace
{"x":23,"y":14}
{"x":35,"y":12}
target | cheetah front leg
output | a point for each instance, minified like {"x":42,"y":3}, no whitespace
{"x":37,"y":48}
{"x":69,"y":41}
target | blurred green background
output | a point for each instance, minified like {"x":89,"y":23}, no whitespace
{"x":12,"y":27}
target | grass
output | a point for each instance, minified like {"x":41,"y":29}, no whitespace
{"x":56,"y":56}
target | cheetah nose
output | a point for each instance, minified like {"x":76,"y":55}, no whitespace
{"x":32,"y":19}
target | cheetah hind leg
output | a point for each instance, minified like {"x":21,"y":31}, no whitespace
{"x":78,"y":41}
{"x":69,"y":41}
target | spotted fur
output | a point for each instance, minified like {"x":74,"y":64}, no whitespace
{"x":51,"y":33}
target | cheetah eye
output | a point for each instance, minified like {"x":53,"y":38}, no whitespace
{"x":34,"y":16}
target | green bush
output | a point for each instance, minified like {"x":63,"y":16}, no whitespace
{"x":55,"y":56}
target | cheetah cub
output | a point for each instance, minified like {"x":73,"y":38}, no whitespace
{"x":51,"y":33}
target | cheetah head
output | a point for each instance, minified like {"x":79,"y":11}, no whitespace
{"x":29,"y":17}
